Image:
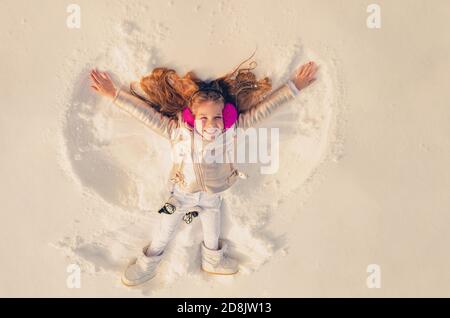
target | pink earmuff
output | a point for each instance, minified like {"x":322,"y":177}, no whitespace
{"x":229,"y":114}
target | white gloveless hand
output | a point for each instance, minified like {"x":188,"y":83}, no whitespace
{"x":103,"y":84}
{"x":305,"y":75}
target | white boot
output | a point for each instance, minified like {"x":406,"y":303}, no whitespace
{"x":215,"y":262}
{"x":142,"y":270}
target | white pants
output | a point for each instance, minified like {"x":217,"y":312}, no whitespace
{"x":208,"y":207}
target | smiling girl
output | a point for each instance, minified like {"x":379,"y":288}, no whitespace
{"x":182,"y":109}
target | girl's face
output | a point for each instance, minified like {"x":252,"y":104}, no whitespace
{"x":208,"y":119}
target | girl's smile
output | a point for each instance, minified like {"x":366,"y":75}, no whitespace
{"x":208,"y":119}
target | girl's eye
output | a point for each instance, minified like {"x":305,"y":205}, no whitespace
{"x":218,"y":117}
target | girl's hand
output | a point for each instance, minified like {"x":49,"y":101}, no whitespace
{"x":102,"y":84}
{"x":305,"y":75}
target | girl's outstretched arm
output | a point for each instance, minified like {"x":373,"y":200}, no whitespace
{"x":304,"y":76}
{"x":133,"y":105}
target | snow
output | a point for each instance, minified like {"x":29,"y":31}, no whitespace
{"x":117,"y":161}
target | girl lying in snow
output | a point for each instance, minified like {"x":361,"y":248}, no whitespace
{"x":183,"y":110}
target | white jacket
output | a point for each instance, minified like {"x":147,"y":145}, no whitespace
{"x":190,"y":171}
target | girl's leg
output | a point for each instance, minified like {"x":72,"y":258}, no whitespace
{"x":169,"y":222}
{"x":162,"y":236}
{"x":210,"y":219}
{"x":214,"y":259}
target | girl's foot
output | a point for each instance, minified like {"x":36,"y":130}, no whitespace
{"x":142,"y":270}
{"x":216,"y":262}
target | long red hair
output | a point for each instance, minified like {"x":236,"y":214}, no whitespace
{"x":169,"y":93}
